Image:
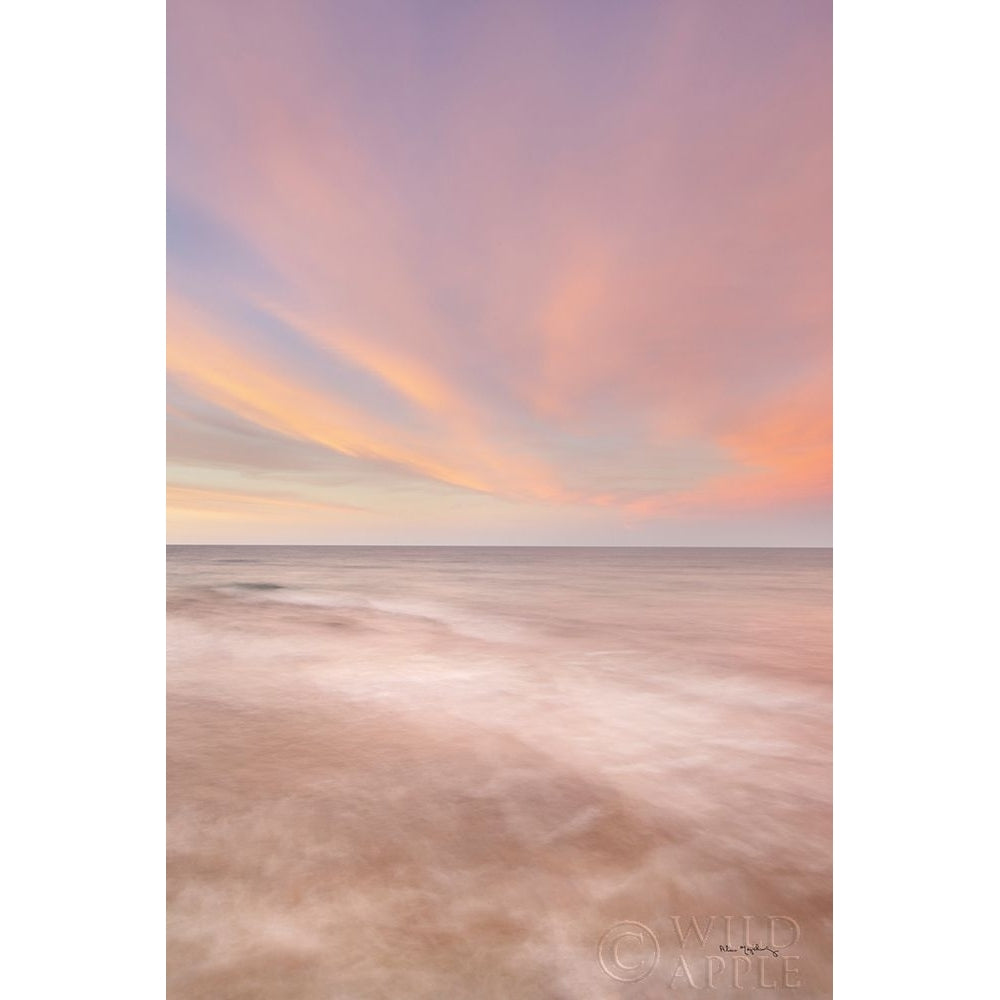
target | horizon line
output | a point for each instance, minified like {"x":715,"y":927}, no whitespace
{"x":410,"y":545}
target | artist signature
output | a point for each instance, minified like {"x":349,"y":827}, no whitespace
{"x":750,"y":949}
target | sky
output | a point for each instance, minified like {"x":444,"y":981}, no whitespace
{"x":477,"y":272}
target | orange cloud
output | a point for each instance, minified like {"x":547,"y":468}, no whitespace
{"x":254,"y":389}
{"x":783,"y":450}
{"x":226,"y":504}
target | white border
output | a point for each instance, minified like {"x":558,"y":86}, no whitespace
{"x":82,"y":230}
{"x":915,"y":325}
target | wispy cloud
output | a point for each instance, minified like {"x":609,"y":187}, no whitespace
{"x":222,"y":502}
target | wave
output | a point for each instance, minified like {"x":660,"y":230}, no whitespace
{"x":454,"y":619}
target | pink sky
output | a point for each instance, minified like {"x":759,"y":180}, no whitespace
{"x":525,"y":273}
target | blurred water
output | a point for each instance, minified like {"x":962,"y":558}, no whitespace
{"x":434,"y":772}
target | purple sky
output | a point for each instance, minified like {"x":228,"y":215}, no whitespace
{"x":525,"y":273}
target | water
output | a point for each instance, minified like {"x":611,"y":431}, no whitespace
{"x":447,"y":772}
